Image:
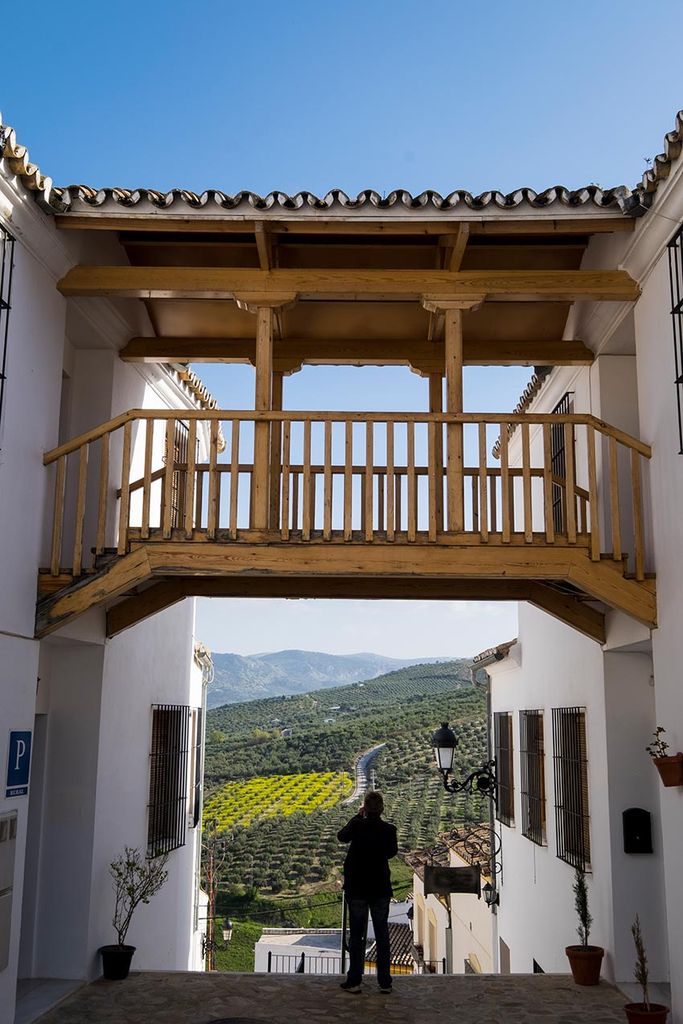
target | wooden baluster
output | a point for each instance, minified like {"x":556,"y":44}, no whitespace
{"x":412,"y":483}
{"x":433,"y":482}
{"x":474,"y":486}
{"x":493,"y":502}
{"x":166,"y":524}
{"x":454,"y":431}
{"x":348,"y":481}
{"x":80,"y":509}
{"x":295,"y":499}
{"x":570,"y":482}
{"x":190,"y":473}
{"x":381,"y":523}
{"x":593,"y":495}
{"x":583,"y":514}
{"x":58,"y":520}
{"x":263,"y":402}
{"x":548,"y":485}
{"x":276,"y":451}
{"x":101,"y":535}
{"x":199,"y":500}
{"x":147,"y":478}
{"x":399,"y":500}
{"x":234,"y":477}
{"x":615,"y":510}
{"x":124,"y":503}
{"x":212,"y":510}
{"x":308,"y":512}
{"x":636,"y":491}
{"x":391,"y":484}
{"x":526,"y":485}
{"x":327,"y":483}
{"x":286,"y":444}
{"x":483,"y":485}
{"x":505,"y":482}
{"x":369,"y":482}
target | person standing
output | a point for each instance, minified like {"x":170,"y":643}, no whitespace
{"x":367,"y":887}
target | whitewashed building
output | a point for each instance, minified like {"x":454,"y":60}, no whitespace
{"x":100,"y":745}
{"x":571,"y":716}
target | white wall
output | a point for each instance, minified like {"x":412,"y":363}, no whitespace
{"x":472,"y":924}
{"x":561,"y":668}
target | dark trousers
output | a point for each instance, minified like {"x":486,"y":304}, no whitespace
{"x":358,"y":926}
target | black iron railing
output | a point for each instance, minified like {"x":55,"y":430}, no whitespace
{"x":571,"y":786}
{"x":168,"y":778}
{"x":532,"y":775}
{"x":6,"y":266}
{"x":676,"y":283}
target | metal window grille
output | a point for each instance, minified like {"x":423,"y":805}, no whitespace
{"x":6,"y":266}
{"x":532,"y":775}
{"x":558,"y":462}
{"x":571,"y":786}
{"x":168,"y":778}
{"x":676,"y":282}
{"x":502,"y":730}
{"x":196,"y":795}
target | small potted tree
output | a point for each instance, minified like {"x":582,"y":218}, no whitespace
{"x":669,"y":766}
{"x":136,"y":880}
{"x":585,"y":961}
{"x":645,"y":1012}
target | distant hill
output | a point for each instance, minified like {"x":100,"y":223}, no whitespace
{"x":256,"y":676}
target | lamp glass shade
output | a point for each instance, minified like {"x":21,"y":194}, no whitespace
{"x":489,"y":894}
{"x":444,"y":743}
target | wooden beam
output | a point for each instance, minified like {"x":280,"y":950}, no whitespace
{"x":225,"y":283}
{"x":458,"y":245}
{"x":568,"y":609}
{"x":291,"y":353}
{"x":226,"y":224}
{"x":264,"y":246}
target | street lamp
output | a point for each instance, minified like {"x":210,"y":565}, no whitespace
{"x":482,"y":780}
{"x":491,"y":896}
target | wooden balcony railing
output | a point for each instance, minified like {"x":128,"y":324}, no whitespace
{"x":348,"y":478}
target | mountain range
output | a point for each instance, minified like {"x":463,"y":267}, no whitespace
{"x":239,"y":677}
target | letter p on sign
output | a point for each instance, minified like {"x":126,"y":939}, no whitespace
{"x":18,"y":764}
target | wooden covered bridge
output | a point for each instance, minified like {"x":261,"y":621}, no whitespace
{"x":154,"y":505}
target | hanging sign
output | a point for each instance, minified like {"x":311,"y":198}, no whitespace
{"x":18,"y":764}
{"x":446,"y":880}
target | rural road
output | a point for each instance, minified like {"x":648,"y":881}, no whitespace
{"x":362,"y":766}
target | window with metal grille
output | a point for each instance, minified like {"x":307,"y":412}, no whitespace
{"x":532,"y":775}
{"x":676,"y":282}
{"x":502,"y":730}
{"x":168,"y":778}
{"x":571,"y":786}
{"x":6,"y":266}
{"x":558,"y":462}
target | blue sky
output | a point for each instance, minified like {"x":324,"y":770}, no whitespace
{"x":357,"y":95}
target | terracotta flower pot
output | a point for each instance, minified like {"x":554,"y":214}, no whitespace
{"x":116,"y":961}
{"x":637,"y":1014}
{"x":585,"y":962}
{"x":670,"y":769}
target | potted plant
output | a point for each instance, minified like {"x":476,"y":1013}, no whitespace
{"x":645,"y":1012}
{"x":585,"y":961}
{"x":669,"y":766}
{"x":136,"y":880}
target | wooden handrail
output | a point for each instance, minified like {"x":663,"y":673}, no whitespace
{"x":224,"y":415}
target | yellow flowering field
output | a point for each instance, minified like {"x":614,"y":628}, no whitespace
{"x":241,"y":803}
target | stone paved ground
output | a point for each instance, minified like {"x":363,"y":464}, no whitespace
{"x":179,"y":998}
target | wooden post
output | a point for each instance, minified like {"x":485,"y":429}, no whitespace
{"x":263,"y":398}
{"x":453,"y":363}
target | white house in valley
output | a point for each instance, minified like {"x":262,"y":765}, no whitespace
{"x":125,"y":493}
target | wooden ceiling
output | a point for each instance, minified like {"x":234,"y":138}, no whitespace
{"x":360,"y":324}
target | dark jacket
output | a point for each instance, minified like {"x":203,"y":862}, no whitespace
{"x":366,"y":867}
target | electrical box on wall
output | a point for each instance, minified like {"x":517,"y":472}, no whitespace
{"x":8,"y":844}
{"x":637,"y":826}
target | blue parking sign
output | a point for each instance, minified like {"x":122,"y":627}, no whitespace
{"x":18,"y":764}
